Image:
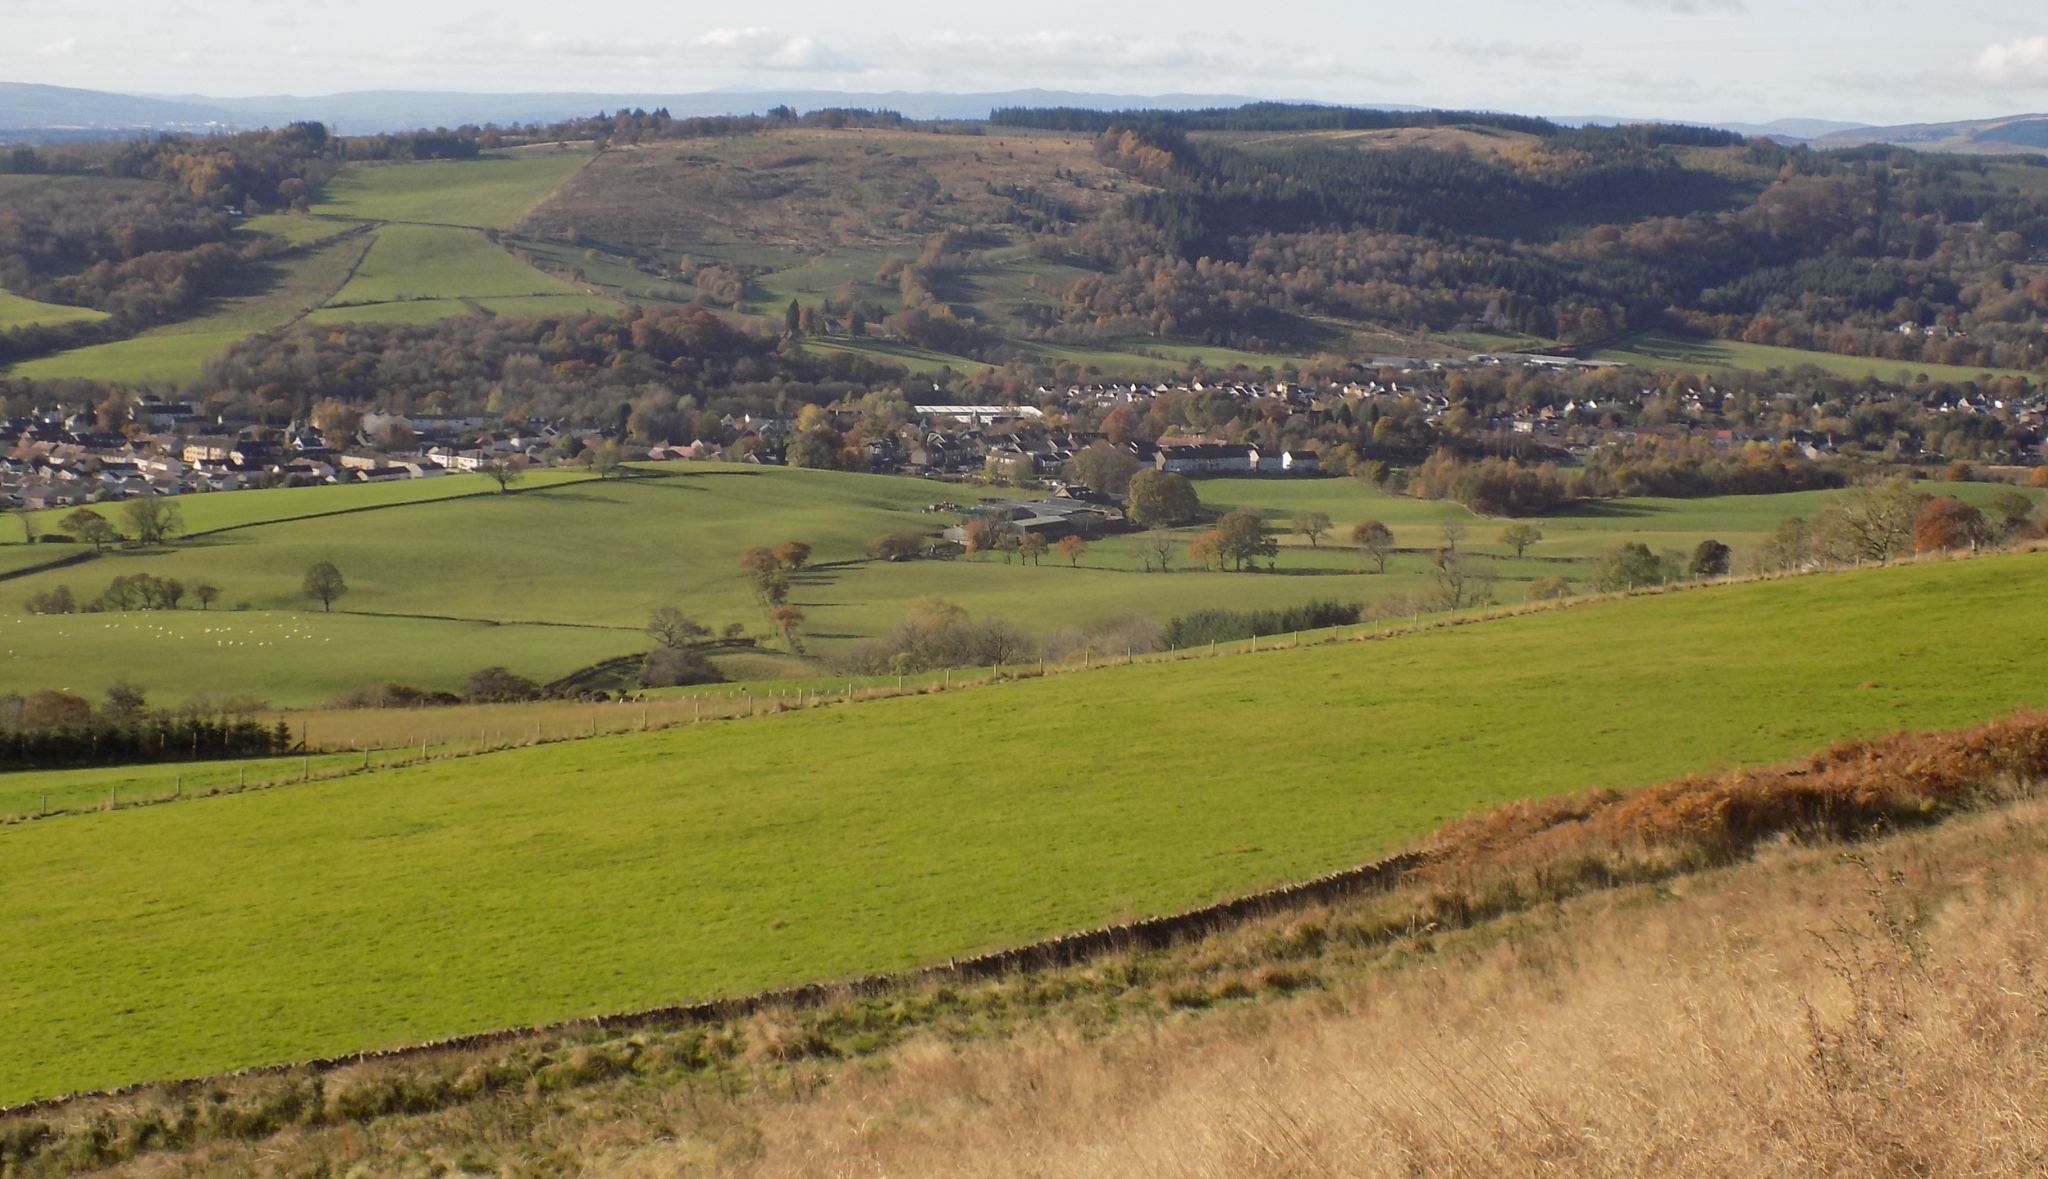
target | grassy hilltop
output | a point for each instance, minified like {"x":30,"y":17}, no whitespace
{"x":546,"y":882}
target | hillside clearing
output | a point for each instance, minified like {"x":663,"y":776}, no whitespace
{"x":1665,"y":351}
{"x":488,"y":193}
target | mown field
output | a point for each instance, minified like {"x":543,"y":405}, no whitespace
{"x":1664,"y":350}
{"x":488,"y":193}
{"x":417,"y":262}
{"x":21,"y":311}
{"x":618,"y":872}
{"x":436,"y":551}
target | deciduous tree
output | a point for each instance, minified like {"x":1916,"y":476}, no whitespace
{"x":1873,"y":522}
{"x":793,"y":555}
{"x":90,"y":527}
{"x":896,"y":546}
{"x":1313,"y":525}
{"x":1241,"y":538}
{"x":1709,"y":559}
{"x":1628,"y":566}
{"x":1103,"y":467}
{"x":504,"y":472}
{"x":152,"y":518}
{"x":1162,"y":498}
{"x":1519,"y":537}
{"x":1031,"y":546}
{"x":1376,"y":541}
{"x":673,"y":629}
{"x":2008,"y":511}
{"x":324,"y":584}
{"x":1946,"y":522}
{"x":787,"y":619}
{"x":1071,"y":547}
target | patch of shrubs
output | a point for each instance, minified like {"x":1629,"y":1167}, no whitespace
{"x":1224,"y":626}
{"x":496,"y":685}
{"x":673,"y":667}
{"x":391,"y":695}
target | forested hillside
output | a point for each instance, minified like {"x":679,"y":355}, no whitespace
{"x":1047,"y":244}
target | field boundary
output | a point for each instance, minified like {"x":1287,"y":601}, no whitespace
{"x":1065,"y":949}
{"x":63,"y":562}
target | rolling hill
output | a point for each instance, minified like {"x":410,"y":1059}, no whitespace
{"x":430,"y":573}
{"x":547,"y":882}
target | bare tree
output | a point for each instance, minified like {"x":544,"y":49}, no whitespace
{"x":324,"y":584}
{"x":672,"y":629}
{"x":503,"y":471}
{"x":153,"y":520}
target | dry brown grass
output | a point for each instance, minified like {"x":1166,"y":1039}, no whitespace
{"x":1808,"y":1015}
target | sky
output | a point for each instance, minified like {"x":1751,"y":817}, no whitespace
{"x":1876,"y":61}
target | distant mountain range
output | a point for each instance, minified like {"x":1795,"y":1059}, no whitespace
{"x":27,"y":109}
{"x":2008,"y":133}
{"x":30,"y":112}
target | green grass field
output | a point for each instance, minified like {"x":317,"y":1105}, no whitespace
{"x":56,"y":791}
{"x":284,"y":657}
{"x":20,"y":311}
{"x":620,"y":872}
{"x":272,"y":295}
{"x":429,"y":262}
{"x":674,"y":536}
{"x":489,"y":193}
{"x":211,"y":511}
{"x":296,"y":228}
{"x":1665,"y":351}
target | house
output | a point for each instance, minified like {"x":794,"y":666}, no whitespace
{"x":1206,"y":458}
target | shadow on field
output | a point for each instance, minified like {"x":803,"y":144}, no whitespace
{"x":1299,"y":572}
{"x":1604,"y":510}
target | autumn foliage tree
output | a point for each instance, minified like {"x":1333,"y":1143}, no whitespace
{"x":1947,"y":523}
{"x":1375,"y":540}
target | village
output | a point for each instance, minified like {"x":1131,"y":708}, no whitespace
{"x":65,"y":456}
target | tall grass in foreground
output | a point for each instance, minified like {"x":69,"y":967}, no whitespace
{"x":1689,"y":978}
{"x":1804,"y":1017}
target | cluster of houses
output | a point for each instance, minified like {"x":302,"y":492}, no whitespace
{"x":58,"y":458}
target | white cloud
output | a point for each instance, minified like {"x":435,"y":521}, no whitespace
{"x":1690,"y":7}
{"x":1103,"y":61}
{"x":68,"y":47}
{"x":2020,"y":62}
{"x":1552,"y":56}
{"x":737,"y":48}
